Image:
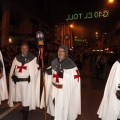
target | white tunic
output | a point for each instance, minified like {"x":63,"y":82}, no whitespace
{"x":67,"y":99}
{"x":27,"y":93}
{"x":3,"y":83}
{"x":110,"y":106}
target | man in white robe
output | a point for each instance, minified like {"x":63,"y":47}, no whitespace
{"x":109,"y":108}
{"x":3,"y":82}
{"x":24,"y":81}
{"x":63,"y":91}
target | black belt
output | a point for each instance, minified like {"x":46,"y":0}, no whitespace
{"x":16,"y":79}
{"x":23,"y":79}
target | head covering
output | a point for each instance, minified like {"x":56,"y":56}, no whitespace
{"x":65,"y":49}
{"x":67,"y":63}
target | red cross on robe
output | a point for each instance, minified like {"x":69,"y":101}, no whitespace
{"x":57,"y":77}
{"x":21,"y":67}
{"x":77,"y":76}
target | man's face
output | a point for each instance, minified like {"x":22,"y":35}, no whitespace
{"x":24,"y":50}
{"x":61,"y":54}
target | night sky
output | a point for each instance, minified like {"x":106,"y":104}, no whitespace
{"x":60,"y":9}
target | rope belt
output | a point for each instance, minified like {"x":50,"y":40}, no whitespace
{"x":57,"y":86}
{"x":23,"y":79}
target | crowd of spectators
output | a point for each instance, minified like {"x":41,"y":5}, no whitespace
{"x":9,"y":52}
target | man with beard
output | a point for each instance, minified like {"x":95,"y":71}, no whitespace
{"x":63,"y":96}
{"x":3,"y":84}
{"x":24,"y":81}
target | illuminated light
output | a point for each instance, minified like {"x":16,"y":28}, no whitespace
{"x":111,"y":1}
{"x":10,"y":40}
{"x":79,"y":40}
{"x":89,"y":15}
{"x":75,"y":16}
{"x":101,"y":14}
{"x":106,"y":48}
{"x":75,"y":36}
{"x":97,"y":50}
{"x":96,"y":33}
{"x":71,"y":26}
{"x":111,"y":52}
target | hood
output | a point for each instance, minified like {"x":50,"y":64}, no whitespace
{"x":65,"y":49}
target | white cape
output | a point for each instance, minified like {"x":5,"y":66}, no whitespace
{"x":67,"y":100}
{"x":110,"y":106}
{"x":3,"y":83}
{"x":34,"y":85}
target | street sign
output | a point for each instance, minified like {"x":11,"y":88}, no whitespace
{"x":66,"y":37}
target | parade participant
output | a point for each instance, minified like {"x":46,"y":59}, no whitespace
{"x":100,"y":66}
{"x":3,"y":82}
{"x":110,"y":105}
{"x":63,"y":92}
{"x":24,"y":81}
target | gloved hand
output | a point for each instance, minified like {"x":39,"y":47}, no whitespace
{"x":48,"y":71}
{"x":15,"y":79}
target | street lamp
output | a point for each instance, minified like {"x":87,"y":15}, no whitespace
{"x":10,"y":40}
{"x":71,"y":25}
{"x":97,"y":35}
{"x":111,"y":1}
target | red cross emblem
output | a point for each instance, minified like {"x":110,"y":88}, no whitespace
{"x":21,"y":67}
{"x":57,"y":77}
{"x":77,"y":76}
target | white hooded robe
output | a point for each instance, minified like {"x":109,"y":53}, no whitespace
{"x":109,"y":108}
{"x":3,"y":83}
{"x":67,"y":99}
{"x":33,"y":87}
